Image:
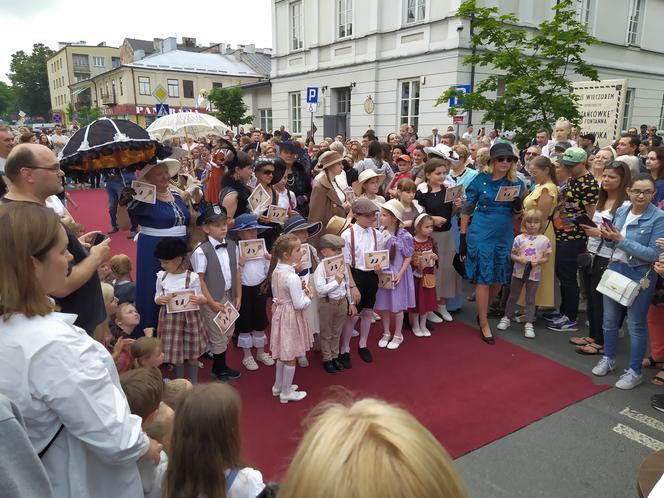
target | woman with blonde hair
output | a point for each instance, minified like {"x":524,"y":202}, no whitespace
{"x":482,"y":159}
{"x":384,"y":452}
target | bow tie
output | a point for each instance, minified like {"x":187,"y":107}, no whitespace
{"x":223,"y":244}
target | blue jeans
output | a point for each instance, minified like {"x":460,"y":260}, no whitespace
{"x":114,"y":189}
{"x":637,"y":316}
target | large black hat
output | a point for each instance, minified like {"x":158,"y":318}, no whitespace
{"x":170,"y":248}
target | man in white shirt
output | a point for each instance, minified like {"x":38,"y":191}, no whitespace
{"x":544,"y":142}
{"x":468,"y":136}
{"x":58,"y":140}
{"x":6,"y":144}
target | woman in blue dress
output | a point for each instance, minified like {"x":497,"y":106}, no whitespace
{"x":167,"y":217}
{"x":492,"y":198}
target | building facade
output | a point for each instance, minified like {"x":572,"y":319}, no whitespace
{"x":378,"y":64}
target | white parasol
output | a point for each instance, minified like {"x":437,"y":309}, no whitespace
{"x":186,"y":124}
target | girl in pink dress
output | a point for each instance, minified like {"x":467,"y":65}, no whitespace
{"x":291,"y":336}
{"x":424,"y":275}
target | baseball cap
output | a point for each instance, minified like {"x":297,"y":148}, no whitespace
{"x":574,"y":156}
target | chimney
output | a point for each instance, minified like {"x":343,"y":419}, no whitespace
{"x":156,"y":44}
{"x":250,"y":49}
{"x":237,"y":53}
{"x":138,"y":55}
{"x":188,"y":42}
{"x":169,"y":44}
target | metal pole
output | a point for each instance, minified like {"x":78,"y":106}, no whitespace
{"x":311,"y":128}
{"x":472,"y":67}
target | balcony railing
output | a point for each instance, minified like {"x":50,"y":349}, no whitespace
{"x":108,"y":98}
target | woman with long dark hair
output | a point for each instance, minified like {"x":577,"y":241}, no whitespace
{"x":235,"y":192}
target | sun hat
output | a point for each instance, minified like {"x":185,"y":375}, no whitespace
{"x":363,"y":206}
{"x":337,"y":225}
{"x":395,"y":207}
{"x":331,"y":241}
{"x":173,"y":166}
{"x":170,"y":248}
{"x":329,"y":158}
{"x":213,"y":212}
{"x":279,"y":167}
{"x":298,"y":222}
{"x":502,"y":150}
{"x":248,"y":221}
{"x":364,"y":177}
{"x":444,"y":152}
{"x":574,"y":156}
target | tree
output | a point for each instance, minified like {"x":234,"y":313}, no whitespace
{"x":535,"y":66}
{"x":86,"y":115}
{"x":230,"y":108}
{"x":29,"y":79}
{"x":7,"y":101}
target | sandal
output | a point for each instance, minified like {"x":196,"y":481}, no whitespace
{"x":650,"y":362}
{"x":581,"y":341}
{"x":658,"y":379}
{"x":590,"y":349}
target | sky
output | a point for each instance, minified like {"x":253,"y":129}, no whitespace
{"x":53,"y":21}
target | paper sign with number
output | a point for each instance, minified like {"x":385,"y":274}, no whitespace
{"x":454,"y":193}
{"x":427,"y":259}
{"x":277,"y":214}
{"x":306,"y":257}
{"x":385,"y":280}
{"x":145,"y":192}
{"x":373,"y":258}
{"x":181,"y":302}
{"x":252,"y":249}
{"x":350,"y":195}
{"x":259,"y":199}
{"x":506,"y":194}
{"x":333,"y":265}
{"x":226,"y":317}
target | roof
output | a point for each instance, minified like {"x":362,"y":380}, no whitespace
{"x":261,"y":63}
{"x":179,"y":60}
{"x":148,"y":46}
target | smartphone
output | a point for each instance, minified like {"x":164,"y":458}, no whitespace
{"x":584,"y":219}
{"x":99,"y":238}
{"x":607,"y":223}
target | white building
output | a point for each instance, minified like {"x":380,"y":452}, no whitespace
{"x":379,"y":63}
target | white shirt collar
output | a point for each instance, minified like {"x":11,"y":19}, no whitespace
{"x":284,"y":266}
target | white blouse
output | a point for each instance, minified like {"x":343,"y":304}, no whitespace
{"x":299,"y":298}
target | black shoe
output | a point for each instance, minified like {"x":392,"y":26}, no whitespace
{"x":344,"y":358}
{"x":365,"y":354}
{"x":113,"y":230}
{"x":226,"y":374}
{"x":488,"y":340}
{"x":329,"y":367}
{"x":338,"y":365}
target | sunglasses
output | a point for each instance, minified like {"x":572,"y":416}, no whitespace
{"x":267,"y":172}
{"x":505,"y":159}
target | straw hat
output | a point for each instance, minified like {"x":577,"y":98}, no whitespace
{"x":173,"y":166}
{"x":395,"y":207}
{"x":364,"y":177}
{"x":337,"y":225}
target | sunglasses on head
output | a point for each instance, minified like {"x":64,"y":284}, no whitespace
{"x":505,"y":159}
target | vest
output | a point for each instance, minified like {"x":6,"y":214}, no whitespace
{"x":214,"y":277}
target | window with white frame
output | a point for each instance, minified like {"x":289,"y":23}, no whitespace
{"x":345,"y":18}
{"x":265,"y":119}
{"x":97,"y":61}
{"x":80,"y":60}
{"x":585,"y":11}
{"x":295,"y":112}
{"x":343,"y":100}
{"x":296,"y":28}
{"x":173,"y":88}
{"x":629,"y":106}
{"x":409,"y":108}
{"x":144,"y":85}
{"x":415,"y":11}
{"x":634,"y":21}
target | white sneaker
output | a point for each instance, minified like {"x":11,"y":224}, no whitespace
{"x":384,"y":341}
{"x":265,"y":359}
{"x":433,"y":318}
{"x":276,"y":390}
{"x":355,"y":333}
{"x":445,"y":314}
{"x":604,"y":366}
{"x":504,"y":323}
{"x":292,"y":396}
{"x":395,"y":342}
{"x":530,"y":331}
{"x":249,"y":363}
{"x":302,"y":362}
{"x":629,"y":380}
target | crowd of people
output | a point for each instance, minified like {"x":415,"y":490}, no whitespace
{"x":283,"y":246}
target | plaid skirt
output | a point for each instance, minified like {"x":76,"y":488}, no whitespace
{"x":183,"y":335}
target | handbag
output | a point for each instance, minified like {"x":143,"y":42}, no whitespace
{"x":429,"y":280}
{"x":620,"y":288}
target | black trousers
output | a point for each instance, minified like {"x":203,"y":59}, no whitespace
{"x":590,"y":278}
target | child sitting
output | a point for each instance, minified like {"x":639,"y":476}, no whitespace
{"x":125,"y":321}
{"x":175,"y":390}
{"x":125,"y":288}
{"x":147,"y":352}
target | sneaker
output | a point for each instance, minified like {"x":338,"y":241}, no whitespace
{"x":629,"y":380}
{"x":276,"y":390}
{"x":384,"y":340}
{"x":604,"y":366}
{"x":365,"y":354}
{"x":344,"y":358}
{"x":292,"y":396}
{"x":504,"y":323}
{"x":355,"y":333}
{"x":433,"y":318}
{"x":249,"y":363}
{"x":302,"y":362}
{"x":395,"y":342}
{"x":529,"y":331}
{"x":226,"y":375}
{"x":552,"y":316}
{"x":444,"y":314}
{"x":563,"y":325}
{"x":265,"y":359}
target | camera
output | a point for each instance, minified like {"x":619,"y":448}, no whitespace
{"x":459,"y":26}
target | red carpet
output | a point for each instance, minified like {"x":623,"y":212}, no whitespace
{"x":467,"y":393}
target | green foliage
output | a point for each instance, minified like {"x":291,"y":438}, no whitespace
{"x":7,"y":101}
{"x":86,"y":115}
{"x":29,"y":79}
{"x":229,"y":106}
{"x":535,"y":66}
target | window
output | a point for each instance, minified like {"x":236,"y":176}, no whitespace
{"x":265,"y":119}
{"x":121,"y":87}
{"x":81,"y":76}
{"x":343,"y":100}
{"x":188,"y":89}
{"x":345,"y":13}
{"x":173,"y":88}
{"x":415,"y":11}
{"x":296,"y":25}
{"x":585,"y":11}
{"x":97,"y":61}
{"x":80,"y":60}
{"x":217,"y":84}
{"x":634,"y":21}
{"x":410,"y":103}
{"x":115,"y":62}
{"x":629,"y":105}
{"x":295,"y":112}
{"x":661,"y":115}
{"x":144,"y":85}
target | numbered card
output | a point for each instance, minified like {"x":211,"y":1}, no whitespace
{"x":373,"y":258}
{"x":181,"y":301}
{"x":454,"y":193}
{"x":277,"y":214}
{"x":507,"y":194}
{"x":252,"y":249}
{"x":226,"y":317}
{"x":350,"y":195}
{"x":334,"y":265}
{"x":259,"y":199}
{"x":427,"y":259}
{"x":306,"y":257}
{"x":385,"y":280}
{"x":145,"y":192}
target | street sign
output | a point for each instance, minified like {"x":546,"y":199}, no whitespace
{"x":462,"y":89}
{"x":160,"y":93}
{"x":312,"y":108}
{"x":457,"y":120}
{"x":57,"y":118}
{"x":162,"y":110}
{"x":312,"y":95}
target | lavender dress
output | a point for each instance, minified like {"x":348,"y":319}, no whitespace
{"x":402,"y":297}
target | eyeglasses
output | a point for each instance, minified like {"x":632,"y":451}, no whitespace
{"x":268,"y":172}
{"x":532,"y":153}
{"x":505,"y":159}
{"x":639,"y":193}
{"x":56,"y":169}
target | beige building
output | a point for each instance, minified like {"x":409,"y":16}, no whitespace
{"x":74,"y":62}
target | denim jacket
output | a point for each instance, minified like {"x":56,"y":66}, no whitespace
{"x":639,"y":243}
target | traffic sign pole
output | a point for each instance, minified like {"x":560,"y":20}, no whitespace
{"x":312,"y":100}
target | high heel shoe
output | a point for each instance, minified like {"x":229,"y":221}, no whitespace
{"x":489,"y":340}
